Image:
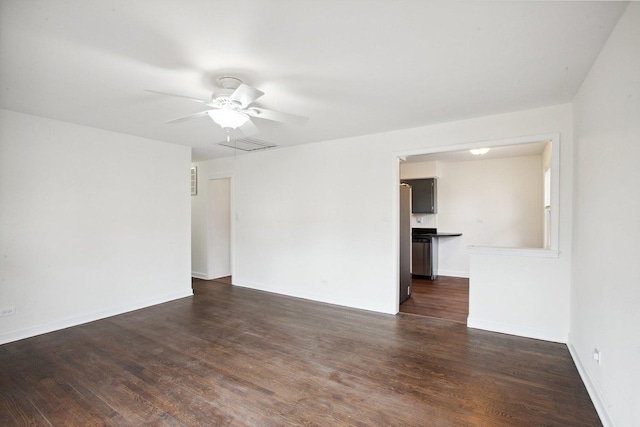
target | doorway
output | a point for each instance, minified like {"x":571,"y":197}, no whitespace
{"x":460,"y":199}
{"x":219,"y":229}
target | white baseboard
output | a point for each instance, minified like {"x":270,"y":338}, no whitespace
{"x":56,"y":325}
{"x":518,"y":330}
{"x":594,"y":392}
{"x":198,"y":275}
{"x":203,"y":276}
{"x":453,"y":273}
{"x":314,"y":297}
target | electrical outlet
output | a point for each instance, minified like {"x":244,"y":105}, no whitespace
{"x":7,"y":311}
{"x":597,"y":356}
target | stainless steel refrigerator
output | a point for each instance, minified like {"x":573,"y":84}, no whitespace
{"x":405,"y":242}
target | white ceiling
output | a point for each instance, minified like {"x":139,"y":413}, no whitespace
{"x":354,"y":67}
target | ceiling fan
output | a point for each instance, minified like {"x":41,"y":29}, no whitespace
{"x":231,"y":107}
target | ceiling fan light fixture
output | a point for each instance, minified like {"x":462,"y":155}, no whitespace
{"x":479,"y":151}
{"x":228,"y":119}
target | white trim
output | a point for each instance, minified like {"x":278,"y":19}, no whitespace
{"x":523,"y":252}
{"x":518,"y":330}
{"x":394,"y":280}
{"x":219,"y":175}
{"x":11,"y":336}
{"x":198,"y":275}
{"x":453,"y":273}
{"x":309,"y":296}
{"x":594,"y":392}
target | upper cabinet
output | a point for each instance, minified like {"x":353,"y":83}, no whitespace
{"x":424,"y":195}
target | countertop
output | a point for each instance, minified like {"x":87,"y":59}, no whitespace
{"x":432,"y":232}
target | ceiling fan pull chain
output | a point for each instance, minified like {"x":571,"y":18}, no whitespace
{"x":235,"y":149}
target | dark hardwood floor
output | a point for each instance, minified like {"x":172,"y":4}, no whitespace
{"x":443,"y":298}
{"x":226,"y":280}
{"x":235,"y":356}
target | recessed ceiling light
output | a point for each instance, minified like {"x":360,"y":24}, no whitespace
{"x":479,"y":151}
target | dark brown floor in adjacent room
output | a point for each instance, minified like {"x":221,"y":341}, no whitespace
{"x":444,"y":298}
{"x":226,"y":280}
{"x":236,"y":356}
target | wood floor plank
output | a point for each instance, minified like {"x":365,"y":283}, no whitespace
{"x":443,"y":298}
{"x":236,"y":356}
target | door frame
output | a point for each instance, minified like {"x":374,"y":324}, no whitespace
{"x":398,"y":156}
{"x":209,"y":221}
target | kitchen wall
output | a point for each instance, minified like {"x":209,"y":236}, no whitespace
{"x":319,"y":221}
{"x":546,"y":156}
{"x":411,"y":170}
{"x":605,"y":291}
{"x":92,"y":224}
{"x":496,"y":202}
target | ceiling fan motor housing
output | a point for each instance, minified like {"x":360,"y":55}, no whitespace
{"x":221,"y":98}
{"x":227,"y":82}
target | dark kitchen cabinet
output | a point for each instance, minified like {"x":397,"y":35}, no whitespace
{"x":424,"y":195}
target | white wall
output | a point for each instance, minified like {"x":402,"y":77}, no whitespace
{"x":92,"y":223}
{"x":219,"y":264}
{"x":308,"y":221}
{"x":495,"y":202}
{"x":319,"y":221}
{"x":605,"y":292}
{"x":520,"y":292}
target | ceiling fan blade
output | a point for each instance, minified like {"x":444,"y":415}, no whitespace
{"x":249,"y":128}
{"x":202,"y":101}
{"x":189,"y":117}
{"x":245,"y":95}
{"x":277,"y":116}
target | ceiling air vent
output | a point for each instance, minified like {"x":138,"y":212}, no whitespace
{"x":247,"y":144}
